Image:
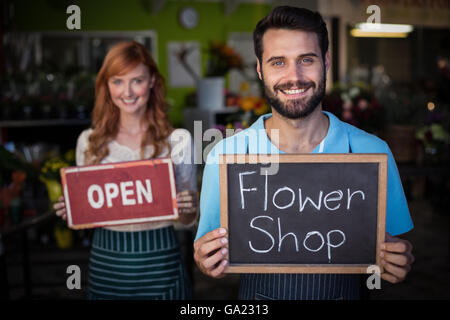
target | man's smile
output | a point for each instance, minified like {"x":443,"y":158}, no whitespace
{"x":295,"y":92}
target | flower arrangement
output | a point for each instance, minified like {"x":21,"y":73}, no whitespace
{"x":432,"y":134}
{"x":50,"y":173}
{"x":222,"y":59}
{"x":435,"y":140}
{"x":51,"y":167}
{"x":256,"y":105}
{"x":355,"y":104}
{"x":251,"y":108}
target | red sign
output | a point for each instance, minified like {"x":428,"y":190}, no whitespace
{"x":119,"y":193}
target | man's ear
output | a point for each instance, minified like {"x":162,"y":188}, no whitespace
{"x":258,"y":68}
{"x":327,"y":60}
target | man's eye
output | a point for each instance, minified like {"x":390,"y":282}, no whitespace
{"x":277,"y":63}
{"x":307,"y":61}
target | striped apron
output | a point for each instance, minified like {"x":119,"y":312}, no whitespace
{"x":299,"y":287}
{"x":137,"y":265}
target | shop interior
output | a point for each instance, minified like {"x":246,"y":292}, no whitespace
{"x":394,"y":85}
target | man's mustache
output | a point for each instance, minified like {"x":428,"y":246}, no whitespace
{"x":297,"y":84}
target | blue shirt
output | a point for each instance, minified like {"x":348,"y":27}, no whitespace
{"x":340,"y":137}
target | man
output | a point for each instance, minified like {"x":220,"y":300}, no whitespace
{"x":291,"y":45}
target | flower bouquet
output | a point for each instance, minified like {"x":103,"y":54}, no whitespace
{"x":356,"y":104}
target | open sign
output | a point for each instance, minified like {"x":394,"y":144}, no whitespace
{"x":119,"y":193}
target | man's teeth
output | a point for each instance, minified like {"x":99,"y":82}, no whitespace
{"x":297,"y":91}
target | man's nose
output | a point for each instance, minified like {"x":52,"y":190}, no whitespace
{"x":294,"y":72}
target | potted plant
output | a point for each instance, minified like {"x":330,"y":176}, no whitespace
{"x":211,"y":87}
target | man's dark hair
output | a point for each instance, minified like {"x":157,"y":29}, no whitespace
{"x":291,"y":18}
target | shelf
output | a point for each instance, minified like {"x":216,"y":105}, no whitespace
{"x":44,"y":123}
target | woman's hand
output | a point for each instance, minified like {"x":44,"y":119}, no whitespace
{"x":60,"y":208}
{"x":187,"y":201}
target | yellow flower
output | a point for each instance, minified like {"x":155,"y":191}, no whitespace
{"x":247,"y":104}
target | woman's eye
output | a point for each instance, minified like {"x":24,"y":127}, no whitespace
{"x":117,"y":82}
{"x":137,"y":81}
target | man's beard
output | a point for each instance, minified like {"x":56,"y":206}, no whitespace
{"x":295,"y":108}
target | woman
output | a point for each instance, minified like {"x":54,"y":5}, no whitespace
{"x":129,"y":123}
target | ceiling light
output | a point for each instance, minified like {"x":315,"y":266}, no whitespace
{"x":381,"y":30}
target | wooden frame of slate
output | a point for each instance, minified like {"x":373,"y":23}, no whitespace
{"x":320,"y":213}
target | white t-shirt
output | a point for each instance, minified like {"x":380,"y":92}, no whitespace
{"x":182,"y":155}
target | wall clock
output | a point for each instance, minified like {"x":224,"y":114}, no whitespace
{"x":188,"y":17}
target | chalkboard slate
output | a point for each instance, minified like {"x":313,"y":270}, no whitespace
{"x":320,"y":213}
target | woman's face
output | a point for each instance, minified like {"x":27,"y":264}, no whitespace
{"x":130,"y":91}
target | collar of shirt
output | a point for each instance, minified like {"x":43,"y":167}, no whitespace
{"x":335,"y":141}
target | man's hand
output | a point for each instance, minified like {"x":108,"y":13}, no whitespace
{"x":396,"y":258}
{"x":210,"y":253}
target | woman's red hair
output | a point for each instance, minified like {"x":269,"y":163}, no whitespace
{"x":122,"y":58}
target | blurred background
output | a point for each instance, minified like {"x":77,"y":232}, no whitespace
{"x":393,"y":82}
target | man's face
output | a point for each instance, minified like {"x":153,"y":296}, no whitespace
{"x":293,"y":72}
